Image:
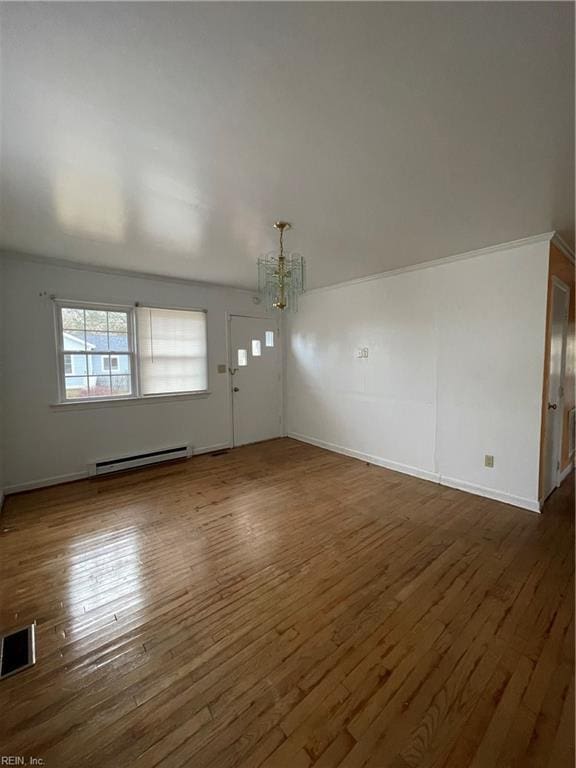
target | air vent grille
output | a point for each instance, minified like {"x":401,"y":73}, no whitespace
{"x":17,"y":650}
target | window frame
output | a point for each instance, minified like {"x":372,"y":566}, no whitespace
{"x":59,"y":305}
{"x":136,"y":396}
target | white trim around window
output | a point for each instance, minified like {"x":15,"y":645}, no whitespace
{"x":78,"y":377}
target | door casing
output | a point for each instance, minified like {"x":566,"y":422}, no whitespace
{"x":551,"y":477}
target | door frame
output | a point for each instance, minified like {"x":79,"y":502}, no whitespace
{"x":273,"y":319}
{"x":555,"y":282}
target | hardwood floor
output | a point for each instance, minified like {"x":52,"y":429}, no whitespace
{"x":284,"y":606}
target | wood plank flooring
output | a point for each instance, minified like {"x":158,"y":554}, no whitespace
{"x":282,"y":606}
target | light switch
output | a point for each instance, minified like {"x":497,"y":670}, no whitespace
{"x":489,"y":461}
{"x":221,"y":368}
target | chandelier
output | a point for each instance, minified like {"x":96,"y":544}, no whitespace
{"x":280,"y":277}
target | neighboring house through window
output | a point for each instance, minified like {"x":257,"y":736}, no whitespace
{"x":110,"y":363}
{"x":97,"y":351}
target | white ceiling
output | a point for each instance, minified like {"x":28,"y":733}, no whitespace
{"x":167,"y":137}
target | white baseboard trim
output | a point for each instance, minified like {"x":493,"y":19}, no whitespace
{"x":451,"y":482}
{"x":566,"y":471}
{"x":406,"y":469}
{"x":46,"y":482}
{"x":210,"y":449}
{"x":531,"y":505}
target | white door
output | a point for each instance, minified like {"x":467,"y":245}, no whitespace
{"x":555,"y":404}
{"x":256,"y":379}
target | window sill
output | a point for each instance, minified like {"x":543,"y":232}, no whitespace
{"x":81,"y":405}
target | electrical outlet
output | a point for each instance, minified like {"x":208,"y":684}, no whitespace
{"x":488,"y":460}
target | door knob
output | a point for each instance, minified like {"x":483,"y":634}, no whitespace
{"x":552,"y":406}
{"x":237,"y":389}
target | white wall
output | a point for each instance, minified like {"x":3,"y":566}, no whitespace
{"x":454,"y":370}
{"x":2,"y":431}
{"x":46,"y":444}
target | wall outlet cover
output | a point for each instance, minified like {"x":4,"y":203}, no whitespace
{"x":488,"y":460}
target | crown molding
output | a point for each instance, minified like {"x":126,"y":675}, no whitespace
{"x":48,"y":261}
{"x":68,"y":264}
{"x":545,"y":237}
{"x":558,"y":241}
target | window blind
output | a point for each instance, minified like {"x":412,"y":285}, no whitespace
{"x":172,"y":350}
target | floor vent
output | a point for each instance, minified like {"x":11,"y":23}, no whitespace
{"x":106,"y":466}
{"x":17,"y":651}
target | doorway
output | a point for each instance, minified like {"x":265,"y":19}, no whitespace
{"x":554,"y":387}
{"x":256,"y":379}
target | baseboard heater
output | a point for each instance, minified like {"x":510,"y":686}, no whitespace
{"x":106,"y":466}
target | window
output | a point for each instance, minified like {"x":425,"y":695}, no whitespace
{"x":110,"y":363}
{"x":87,"y":337}
{"x":98,"y":357}
{"x":256,"y":348}
{"x":172,"y":350}
{"x":269,"y":338}
{"x":242,"y":358}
